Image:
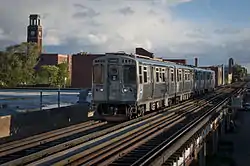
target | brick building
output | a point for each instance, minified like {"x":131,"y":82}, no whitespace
{"x":35,"y":34}
{"x":82,"y":70}
{"x":55,"y":59}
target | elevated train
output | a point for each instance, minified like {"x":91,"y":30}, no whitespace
{"x":127,"y":86}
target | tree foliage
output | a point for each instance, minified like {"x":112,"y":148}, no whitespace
{"x":17,"y":64}
{"x":55,"y":75}
{"x":17,"y":67}
{"x":239,"y":71}
{"x":48,"y":75}
{"x":63,"y":74}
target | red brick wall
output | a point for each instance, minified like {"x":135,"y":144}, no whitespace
{"x":142,"y":51}
{"x":54,"y":59}
{"x":47,"y":59}
{"x":82,"y":70}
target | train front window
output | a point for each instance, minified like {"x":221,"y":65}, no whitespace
{"x":129,"y":74}
{"x":98,"y":74}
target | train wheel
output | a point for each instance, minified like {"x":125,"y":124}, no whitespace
{"x":143,"y":112}
{"x":130,"y":113}
{"x":170,"y":102}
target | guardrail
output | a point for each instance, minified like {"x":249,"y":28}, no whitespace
{"x":35,"y":99}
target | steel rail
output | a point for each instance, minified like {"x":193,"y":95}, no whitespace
{"x":67,"y":144}
{"x":52,"y":137}
{"x":79,"y":154}
{"x":17,"y":146}
{"x":114,"y":154}
{"x":147,"y":159}
{"x":41,"y":137}
{"x":75,"y":142}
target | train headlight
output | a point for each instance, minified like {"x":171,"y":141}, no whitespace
{"x":125,"y":90}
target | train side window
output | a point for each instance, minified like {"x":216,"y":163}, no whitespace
{"x":172,"y":75}
{"x":160,"y":75}
{"x":98,"y":70}
{"x":140,"y":75}
{"x":163,"y":77}
{"x":129,"y":74}
{"x":157,"y":74}
{"x":145,"y":75}
{"x":140,"y":78}
{"x":179,"y":76}
{"x":166,"y":75}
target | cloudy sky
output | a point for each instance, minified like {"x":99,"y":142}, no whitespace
{"x":212,"y":30}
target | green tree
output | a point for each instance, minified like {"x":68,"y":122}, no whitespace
{"x":63,"y":74}
{"x":48,"y":74}
{"x":239,"y":71}
{"x":17,"y":64}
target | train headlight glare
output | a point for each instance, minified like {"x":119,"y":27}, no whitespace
{"x":125,"y":90}
{"x":101,"y":90}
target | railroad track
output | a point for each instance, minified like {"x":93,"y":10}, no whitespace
{"x":120,"y":134}
{"x":109,"y":151}
{"x":36,"y":147}
{"x":15,"y":149}
{"x":144,"y":154}
{"x":32,"y":148}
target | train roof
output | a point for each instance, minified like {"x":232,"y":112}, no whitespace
{"x":146,"y":60}
{"x":204,"y":70}
{"x":154,"y":62}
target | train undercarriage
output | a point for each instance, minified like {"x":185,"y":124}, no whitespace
{"x":130,"y":110}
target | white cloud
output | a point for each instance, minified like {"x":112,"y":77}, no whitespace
{"x":104,"y":26}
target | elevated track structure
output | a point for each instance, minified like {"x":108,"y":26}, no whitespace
{"x":159,"y":138}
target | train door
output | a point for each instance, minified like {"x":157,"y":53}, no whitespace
{"x":178,"y":80}
{"x":196,"y":79}
{"x":191,"y":79}
{"x":166,"y":75}
{"x":98,"y":82}
{"x":182,"y":79}
{"x":152,"y":80}
{"x":172,"y":81}
{"x":114,"y":82}
{"x":176,"y":87}
{"x":203,"y":80}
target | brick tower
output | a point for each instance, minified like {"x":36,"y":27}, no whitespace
{"x":34,"y":30}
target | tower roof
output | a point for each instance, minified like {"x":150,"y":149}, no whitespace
{"x":34,"y":16}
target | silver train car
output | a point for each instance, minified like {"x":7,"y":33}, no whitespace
{"x":127,"y":86}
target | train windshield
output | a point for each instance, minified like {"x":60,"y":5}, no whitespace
{"x":129,"y":74}
{"x":98,"y":74}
